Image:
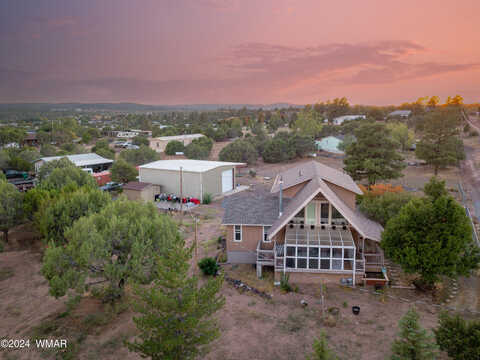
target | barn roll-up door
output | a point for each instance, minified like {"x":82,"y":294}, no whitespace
{"x":227,"y":180}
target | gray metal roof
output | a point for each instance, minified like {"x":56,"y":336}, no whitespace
{"x":188,"y":165}
{"x":252,"y":207}
{"x":80,"y":159}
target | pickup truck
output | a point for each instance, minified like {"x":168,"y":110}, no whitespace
{"x":111,"y":186}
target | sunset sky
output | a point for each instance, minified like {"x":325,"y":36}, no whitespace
{"x":238,"y":51}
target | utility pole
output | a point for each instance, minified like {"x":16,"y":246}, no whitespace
{"x":181,"y":189}
{"x":196,"y":242}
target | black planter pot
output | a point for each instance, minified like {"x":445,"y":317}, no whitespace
{"x":356,"y":310}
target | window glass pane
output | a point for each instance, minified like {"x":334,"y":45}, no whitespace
{"x":348,"y":253}
{"x":347,"y":264}
{"x":290,"y":250}
{"x":313,"y":263}
{"x":337,"y":253}
{"x":302,"y":251}
{"x":301,"y":263}
{"x":265,"y":233}
{"x":325,"y":252}
{"x":337,"y":218}
{"x":324,"y":213}
{"x":311,"y":216}
{"x":336,"y":264}
{"x":325,"y":264}
{"x":290,"y":263}
{"x":313,"y":252}
{"x":300,"y":214}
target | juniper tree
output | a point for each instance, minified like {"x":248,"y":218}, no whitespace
{"x":175,"y":313}
{"x":11,"y":207}
{"x":115,"y":246}
{"x":431,"y":237}
{"x":123,"y":172}
{"x":66,"y":208}
{"x":458,"y":337}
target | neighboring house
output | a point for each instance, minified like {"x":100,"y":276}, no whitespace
{"x":307,"y":226}
{"x":135,"y":190}
{"x":160,"y":143}
{"x":84,"y":161}
{"x":339,"y":120}
{"x":127,"y":134}
{"x":330,"y":144}
{"x":146,"y":133}
{"x":30,"y":140}
{"x":400,"y":113}
{"x":190,"y":178}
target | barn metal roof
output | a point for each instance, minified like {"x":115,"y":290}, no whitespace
{"x":188,"y":165}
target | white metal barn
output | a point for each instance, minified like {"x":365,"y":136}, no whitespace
{"x":192,"y":178}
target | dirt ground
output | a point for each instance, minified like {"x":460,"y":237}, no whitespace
{"x":251,"y":327}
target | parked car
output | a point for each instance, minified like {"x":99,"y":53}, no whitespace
{"x":131,"y":147}
{"x":111,"y":186}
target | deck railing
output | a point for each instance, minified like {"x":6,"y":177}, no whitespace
{"x":264,"y":256}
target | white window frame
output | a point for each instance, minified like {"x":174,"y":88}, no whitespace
{"x":265,"y":238}
{"x":235,"y":233}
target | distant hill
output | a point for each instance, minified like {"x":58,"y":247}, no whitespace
{"x":132,"y":107}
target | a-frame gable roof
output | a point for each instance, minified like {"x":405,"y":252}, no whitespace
{"x":311,"y":170}
{"x":366,"y":227}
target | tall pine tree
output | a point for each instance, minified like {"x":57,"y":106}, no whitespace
{"x":373,"y":155}
{"x":175,"y":313}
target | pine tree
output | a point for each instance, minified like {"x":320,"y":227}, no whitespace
{"x":174,"y":321}
{"x":414,"y":343}
{"x":373,"y":155}
{"x":321,"y":350}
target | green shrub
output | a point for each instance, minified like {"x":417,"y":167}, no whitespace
{"x":382,"y":208}
{"x":459,"y":338}
{"x":199,"y":148}
{"x":252,"y":173}
{"x":173,"y":147}
{"x":208,"y":266}
{"x":285,"y":284}
{"x":239,"y":151}
{"x":207,"y":198}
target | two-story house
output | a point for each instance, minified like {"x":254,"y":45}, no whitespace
{"x":306,"y":225}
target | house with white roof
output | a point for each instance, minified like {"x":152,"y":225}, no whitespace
{"x":400,"y":113}
{"x":86,"y":161}
{"x":160,"y":143}
{"x":339,"y":120}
